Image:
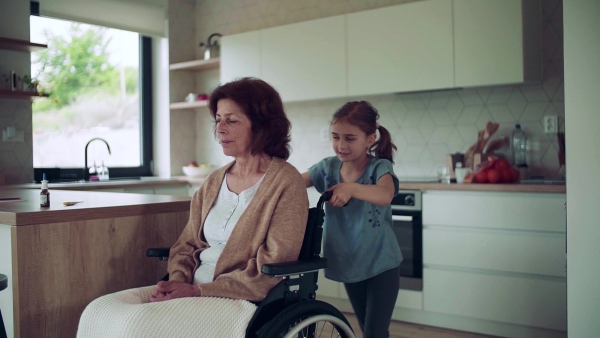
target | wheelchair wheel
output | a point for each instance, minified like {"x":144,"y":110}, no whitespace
{"x":309,"y":318}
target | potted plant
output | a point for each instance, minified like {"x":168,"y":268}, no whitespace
{"x":27,"y":83}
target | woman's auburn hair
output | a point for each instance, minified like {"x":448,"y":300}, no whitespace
{"x":264,"y":107}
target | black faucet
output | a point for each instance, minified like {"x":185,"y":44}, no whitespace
{"x":86,"y":173}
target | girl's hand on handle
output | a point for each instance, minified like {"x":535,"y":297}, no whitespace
{"x":342,"y":193}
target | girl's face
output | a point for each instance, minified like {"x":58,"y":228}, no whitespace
{"x":233,"y":127}
{"x":350,"y":143}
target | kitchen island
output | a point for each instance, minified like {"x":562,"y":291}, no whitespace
{"x":60,"y":258}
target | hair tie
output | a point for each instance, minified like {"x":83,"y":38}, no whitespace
{"x":376,"y":125}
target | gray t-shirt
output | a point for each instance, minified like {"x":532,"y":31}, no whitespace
{"x":359,"y":242}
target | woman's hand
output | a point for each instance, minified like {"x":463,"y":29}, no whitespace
{"x":172,"y":290}
{"x":342,"y":193}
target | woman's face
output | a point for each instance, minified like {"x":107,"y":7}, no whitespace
{"x":234,"y":129}
{"x":349,"y":142}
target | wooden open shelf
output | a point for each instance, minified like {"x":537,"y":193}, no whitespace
{"x":20,"y":94}
{"x":196,"y":64}
{"x":20,"y":45}
{"x":189,"y":105}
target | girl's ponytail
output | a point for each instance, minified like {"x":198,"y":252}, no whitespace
{"x":384,"y":148}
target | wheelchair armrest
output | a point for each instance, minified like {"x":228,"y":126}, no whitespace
{"x":161,"y":253}
{"x":294,"y":268}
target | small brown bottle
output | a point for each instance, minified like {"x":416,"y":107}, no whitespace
{"x":44,"y":194}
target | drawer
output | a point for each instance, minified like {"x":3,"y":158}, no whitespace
{"x":410,"y":299}
{"x":519,"y":211}
{"x":536,"y":302}
{"x":510,"y":251}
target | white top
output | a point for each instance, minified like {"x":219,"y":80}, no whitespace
{"x":219,"y":224}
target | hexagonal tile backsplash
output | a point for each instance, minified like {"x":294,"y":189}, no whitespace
{"x":424,"y":126}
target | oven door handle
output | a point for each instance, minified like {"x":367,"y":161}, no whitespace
{"x":402,"y":218}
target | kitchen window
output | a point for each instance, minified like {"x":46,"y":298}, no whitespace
{"x":99,"y":80}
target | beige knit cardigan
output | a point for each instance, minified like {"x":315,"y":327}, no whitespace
{"x":271,"y":230}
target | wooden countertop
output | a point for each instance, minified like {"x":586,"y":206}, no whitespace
{"x":534,"y":188}
{"x":95,"y":205}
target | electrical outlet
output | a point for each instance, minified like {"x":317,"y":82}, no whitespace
{"x":550,"y":124}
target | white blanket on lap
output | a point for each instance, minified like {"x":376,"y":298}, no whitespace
{"x":129,"y":313}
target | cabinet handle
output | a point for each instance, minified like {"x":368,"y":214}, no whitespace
{"x":402,"y":218}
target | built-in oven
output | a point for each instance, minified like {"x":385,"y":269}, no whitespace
{"x":408,"y":228}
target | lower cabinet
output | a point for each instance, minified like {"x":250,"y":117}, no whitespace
{"x":493,"y":263}
{"x":496,"y":257}
{"x":329,"y":288}
{"x":515,"y":299}
{"x":406,"y":298}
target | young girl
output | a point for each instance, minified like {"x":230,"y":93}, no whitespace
{"x":359,"y":243}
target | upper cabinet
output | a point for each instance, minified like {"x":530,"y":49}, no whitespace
{"x":400,"y":48}
{"x":417,"y":46}
{"x":305,"y":61}
{"x":240,"y":55}
{"x":497,"y":42}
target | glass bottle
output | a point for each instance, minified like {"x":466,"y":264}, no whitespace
{"x":93,"y":172}
{"x":519,"y":147}
{"x":103,"y":172}
{"x":44,"y":193}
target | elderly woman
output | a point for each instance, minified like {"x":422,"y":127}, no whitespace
{"x":251,"y":212}
{"x":248,"y":213}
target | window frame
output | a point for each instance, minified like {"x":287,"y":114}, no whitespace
{"x":57,"y":174}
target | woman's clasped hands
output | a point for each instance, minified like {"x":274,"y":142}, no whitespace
{"x":172,"y":290}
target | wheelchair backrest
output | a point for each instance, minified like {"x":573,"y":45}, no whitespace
{"x":311,"y":245}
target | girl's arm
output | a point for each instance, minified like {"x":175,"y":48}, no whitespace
{"x":380,"y":193}
{"x":307,"y":180}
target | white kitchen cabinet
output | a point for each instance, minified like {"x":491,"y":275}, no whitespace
{"x":416,"y":46}
{"x":329,"y":288}
{"x":240,"y":56}
{"x":495,"y":210}
{"x":497,"y":42}
{"x":496,"y":256}
{"x":400,"y":48}
{"x":307,"y":60}
{"x":506,"y":251}
{"x":513,"y":299}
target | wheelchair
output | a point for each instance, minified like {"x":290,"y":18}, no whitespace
{"x":290,"y":309}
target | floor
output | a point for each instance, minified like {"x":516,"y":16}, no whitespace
{"x":409,"y":330}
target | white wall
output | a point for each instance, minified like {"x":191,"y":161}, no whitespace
{"x":582,"y":113}
{"x":160,"y":118}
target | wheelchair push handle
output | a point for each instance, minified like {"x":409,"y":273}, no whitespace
{"x":324,"y":198}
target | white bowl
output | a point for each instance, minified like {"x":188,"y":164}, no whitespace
{"x":200,"y":171}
